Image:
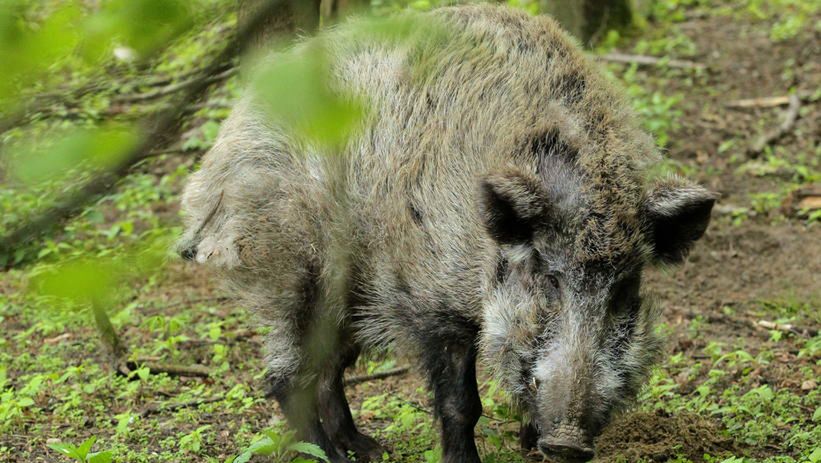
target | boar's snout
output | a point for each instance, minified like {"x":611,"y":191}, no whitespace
{"x":567,"y":444}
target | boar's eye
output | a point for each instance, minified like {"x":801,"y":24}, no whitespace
{"x":553,"y":280}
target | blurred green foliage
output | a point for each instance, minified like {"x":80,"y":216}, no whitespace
{"x":296,"y":93}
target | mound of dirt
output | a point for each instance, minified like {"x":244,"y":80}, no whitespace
{"x":660,"y":437}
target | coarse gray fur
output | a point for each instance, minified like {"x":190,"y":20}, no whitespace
{"x":495,"y":202}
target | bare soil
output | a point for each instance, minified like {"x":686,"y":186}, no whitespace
{"x":662,"y":437}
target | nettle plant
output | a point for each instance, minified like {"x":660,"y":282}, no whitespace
{"x":82,"y":452}
{"x":281,"y":446}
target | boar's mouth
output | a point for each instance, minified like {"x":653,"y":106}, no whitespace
{"x":567,"y":443}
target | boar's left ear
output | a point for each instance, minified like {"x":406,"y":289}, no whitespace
{"x":678,"y":214}
{"x":511,"y":203}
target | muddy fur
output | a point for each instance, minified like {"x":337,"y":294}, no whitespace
{"x":493,"y":204}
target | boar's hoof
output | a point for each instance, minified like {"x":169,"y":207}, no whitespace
{"x":565,"y":451}
{"x":528,"y":436}
{"x":365,"y":448}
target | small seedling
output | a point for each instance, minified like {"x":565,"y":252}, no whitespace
{"x":282,"y":447}
{"x":82,"y":452}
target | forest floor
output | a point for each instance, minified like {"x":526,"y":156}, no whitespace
{"x":741,"y":319}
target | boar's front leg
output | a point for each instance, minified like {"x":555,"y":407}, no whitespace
{"x":528,"y":436}
{"x":452,"y":375}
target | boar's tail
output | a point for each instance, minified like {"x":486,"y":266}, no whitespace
{"x":210,"y":215}
{"x":187,"y":247}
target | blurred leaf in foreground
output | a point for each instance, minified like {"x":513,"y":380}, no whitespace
{"x":295,"y":88}
{"x":84,"y":281}
{"x":91,"y":149}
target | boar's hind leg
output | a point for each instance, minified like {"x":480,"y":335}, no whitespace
{"x":299,"y":406}
{"x":452,"y":374}
{"x":336,"y":414}
{"x":296,"y":390}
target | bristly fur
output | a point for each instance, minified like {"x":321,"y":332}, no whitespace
{"x":412,"y":235}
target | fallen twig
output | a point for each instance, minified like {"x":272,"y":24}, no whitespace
{"x":170,"y":369}
{"x":802,"y":201}
{"x":157,"y":408}
{"x":766,"y":102}
{"x":352,"y":380}
{"x":788,"y":327}
{"x":762,"y":326}
{"x":765,"y":140}
{"x":650,"y":61}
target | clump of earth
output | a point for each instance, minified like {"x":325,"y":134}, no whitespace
{"x":660,"y":436}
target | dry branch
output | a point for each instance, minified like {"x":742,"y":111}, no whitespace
{"x":157,"y":408}
{"x":765,"y":102}
{"x":173,"y":88}
{"x":802,"y":201}
{"x":644,"y":60}
{"x":179,"y":370}
{"x":160,"y":129}
{"x":788,"y":327}
{"x":352,"y":380}
{"x":760,"y":326}
{"x":765,"y":140}
{"x":171,"y":369}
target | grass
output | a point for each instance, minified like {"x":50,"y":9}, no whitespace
{"x":54,"y":387}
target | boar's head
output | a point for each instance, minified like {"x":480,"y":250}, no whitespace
{"x":565,"y":324}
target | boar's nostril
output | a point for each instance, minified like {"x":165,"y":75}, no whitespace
{"x":188,"y":253}
{"x":566,"y":451}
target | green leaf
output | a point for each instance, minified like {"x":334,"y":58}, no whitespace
{"x":308,"y":449}
{"x":85,"y":447}
{"x":25,"y":402}
{"x":101,"y":457}
{"x":81,"y":281}
{"x":66,"y":449}
{"x":264,"y":447}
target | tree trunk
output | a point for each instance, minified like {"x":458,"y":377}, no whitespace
{"x":294,"y":16}
{"x":108,"y":334}
{"x":589,"y":20}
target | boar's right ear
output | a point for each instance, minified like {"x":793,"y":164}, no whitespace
{"x":510,"y":205}
{"x":678,"y":213}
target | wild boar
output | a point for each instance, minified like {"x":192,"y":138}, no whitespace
{"x":497,"y":205}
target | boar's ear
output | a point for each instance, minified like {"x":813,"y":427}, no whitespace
{"x":510,"y":205}
{"x":678,"y":213}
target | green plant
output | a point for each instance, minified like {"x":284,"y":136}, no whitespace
{"x":281,"y":447}
{"x":192,"y":442}
{"x":82,"y":453}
